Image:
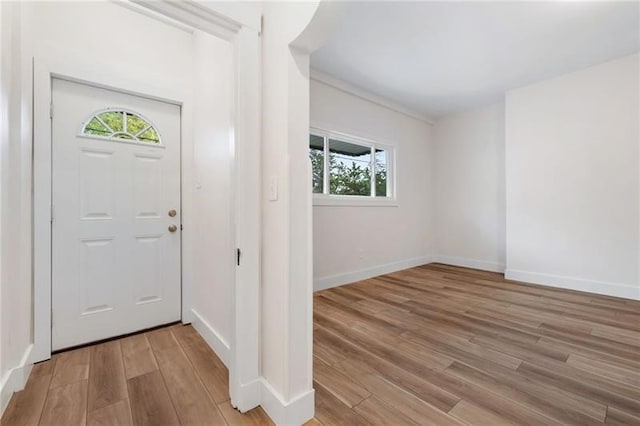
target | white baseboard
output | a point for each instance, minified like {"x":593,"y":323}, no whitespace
{"x":351,"y":277}
{"x":483,"y":265}
{"x":293,"y":413}
{"x":248,"y":396}
{"x":572,"y":283}
{"x":212,"y":337}
{"x":15,"y":379}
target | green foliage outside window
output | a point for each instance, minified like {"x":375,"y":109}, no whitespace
{"x":347,"y":179}
{"x":317,"y":169}
{"x":112,"y":124}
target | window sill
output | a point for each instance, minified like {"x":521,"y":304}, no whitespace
{"x":353,"y":201}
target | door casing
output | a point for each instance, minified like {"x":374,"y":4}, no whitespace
{"x":64,"y":68}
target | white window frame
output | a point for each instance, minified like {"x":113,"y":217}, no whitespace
{"x":327,"y":199}
{"x":134,"y":138}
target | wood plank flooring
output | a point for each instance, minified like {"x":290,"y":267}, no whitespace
{"x":432,"y":345}
{"x":167,"y":376}
{"x":442,"y":345}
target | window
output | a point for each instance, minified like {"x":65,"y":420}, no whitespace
{"x":316,"y":153}
{"x":345,"y":166}
{"x":117,"y":124}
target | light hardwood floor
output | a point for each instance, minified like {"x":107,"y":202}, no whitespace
{"x":430,"y":345}
{"x":444,"y":345}
{"x":167,"y":376}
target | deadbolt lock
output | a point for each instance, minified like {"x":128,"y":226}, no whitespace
{"x":173,"y":228}
{"x":172,"y":213}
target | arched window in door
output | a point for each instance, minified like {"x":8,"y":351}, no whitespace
{"x":120,"y":124}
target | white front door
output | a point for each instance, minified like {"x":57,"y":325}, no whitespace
{"x":116,"y":213}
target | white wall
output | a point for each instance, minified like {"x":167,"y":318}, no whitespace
{"x":572,"y":180}
{"x":356,"y":242}
{"x":15,"y":156}
{"x":469,"y":198}
{"x":140,"y":44}
{"x":212,"y":240}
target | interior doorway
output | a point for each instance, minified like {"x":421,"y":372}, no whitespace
{"x":207,"y":69}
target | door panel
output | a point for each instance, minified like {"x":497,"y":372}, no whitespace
{"x":149,"y":253}
{"x":115,"y":265}
{"x":96,"y":179}
{"x":147,"y":186}
{"x":97,"y":269}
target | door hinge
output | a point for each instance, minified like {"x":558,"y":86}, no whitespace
{"x":238,"y":253}
{"x":51,"y":110}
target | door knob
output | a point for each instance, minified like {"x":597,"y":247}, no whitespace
{"x":173,"y":228}
{"x":172,"y":213}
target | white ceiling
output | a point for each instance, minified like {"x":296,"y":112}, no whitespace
{"x":435,"y":58}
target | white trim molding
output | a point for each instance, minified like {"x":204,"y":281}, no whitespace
{"x":368,"y":96}
{"x":574,"y":283}
{"x":14,"y":380}
{"x":212,"y":337}
{"x":248,"y":395}
{"x":363,"y":274}
{"x":295,"y":412}
{"x":484,"y":265}
{"x":195,"y":15}
{"x":353,"y":201}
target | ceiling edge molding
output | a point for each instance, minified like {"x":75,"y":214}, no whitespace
{"x":143,"y":10}
{"x":368,"y":96}
{"x":196,"y":15}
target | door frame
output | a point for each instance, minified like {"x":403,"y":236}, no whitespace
{"x":66,"y":67}
{"x":242,"y":29}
